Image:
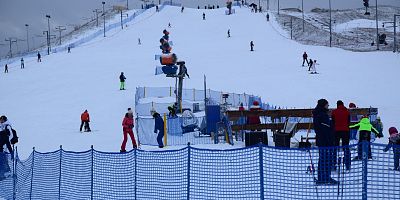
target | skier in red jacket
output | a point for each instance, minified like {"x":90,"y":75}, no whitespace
{"x":341,"y":123}
{"x":127,"y":127}
{"x":85,"y":119}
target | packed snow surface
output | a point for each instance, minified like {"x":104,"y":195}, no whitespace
{"x":44,"y":101}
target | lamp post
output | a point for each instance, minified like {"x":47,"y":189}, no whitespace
{"x":302,"y":10}
{"x":48,"y":35}
{"x":27,"y":36}
{"x":104,"y":20}
{"x":376,"y":18}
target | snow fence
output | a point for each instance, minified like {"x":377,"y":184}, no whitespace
{"x":258,"y":172}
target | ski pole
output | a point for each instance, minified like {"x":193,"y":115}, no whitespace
{"x":338,"y":187}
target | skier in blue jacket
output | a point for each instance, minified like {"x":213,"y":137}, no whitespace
{"x":159,"y":128}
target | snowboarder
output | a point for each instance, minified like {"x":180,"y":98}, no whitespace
{"x":310,"y":63}
{"x":204,"y":16}
{"x":229,"y":33}
{"x":85,"y":119}
{"x":139,"y":42}
{"x":267,"y":17}
{"x":394,"y":142}
{"x":251,"y":46}
{"x":127,"y":128}
{"x":365,"y":128}
{"x":324,"y":139}
{"x":39,"y":57}
{"x":6,"y":68}
{"x":172,"y":110}
{"x":5,"y":131}
{"x":341,"y":123}
{"x":159,"y":129}
{"x":305,"y":56}
{"x":165,"y":48}
{"x":122,"y":81}
{"x":182,"y":9}
{"x":22,"y":63}
{"x":69,"y":49}
{"x":314,"y":68}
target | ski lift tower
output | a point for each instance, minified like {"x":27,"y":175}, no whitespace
{"x":179,"y":82}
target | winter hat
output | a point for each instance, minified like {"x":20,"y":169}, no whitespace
{"x":352,"y":105}
{"x":392,"y":130}
{"x":255,"y":103}
{"x":4,"y":118}
{"x":339,"y":103}
{"x":322,"y":103}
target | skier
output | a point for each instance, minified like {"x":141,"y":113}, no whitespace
{"x":5,"y":132}
{"x":157,"y":9}
{"x":6,"y":69}
{"x":85,"y":119}
{"x":340,"y":123}
{"x":159,"y":129}
{"x":166,"y":34}
{"x":122,"y":81}
{"x":22,"y":63}
{"x":394,"y":142}
{"x":127,"y":126}
{"x":310,"y":63}
{"x":324,"y":140}
{"x":313,"y":67}
{"x":204,"y":16}
{"x":139,"y":42}
{"x":251,"y":46}
{"x":69,"y":49}
{"x":229,"y":33}
{"x":39,"y":57}
{"x":165,"y":48}
{"x":364,"y":128}
{"x":305,"y":56}
{"x":182,"y":9}
{"x":172,"y":110}
{"x":169,"y":25}
{"x":267,"y":17}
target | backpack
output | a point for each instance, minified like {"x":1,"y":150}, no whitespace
{"x":14,"y":139}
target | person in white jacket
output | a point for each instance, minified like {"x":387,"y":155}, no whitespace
{"x":313,"y":67}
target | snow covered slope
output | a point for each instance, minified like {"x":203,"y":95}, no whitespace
{"x":44,"y":101}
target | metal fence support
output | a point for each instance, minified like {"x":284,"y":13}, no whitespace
{"x":15,"y":172}
{"x":261,"y":160}
{"x":32,"y":166}
{"x":135,"y":172}
{"x":188,"y":173}
{"x":59,"y":174}
{"x":91,"y":174}
{"x":364,"y":169}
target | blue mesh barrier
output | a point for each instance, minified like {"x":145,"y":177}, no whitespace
{"x":258,"y":172}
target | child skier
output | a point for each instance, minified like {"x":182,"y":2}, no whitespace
{"x":122,"y":81}
{"x":394,"y":142}
{"x":364,"y":128}
{"x":313,"y":67}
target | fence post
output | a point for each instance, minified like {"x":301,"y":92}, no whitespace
{"x":91,"y":174}
{"x":135,"y":171}
{"x":15,"y":172}
{"x":364,"y":169}
{"x":165,"y":130}
{"x":188,"y":173}
{"x":261,"y":158}
{"x":144,"y":92}
{"x":32,"y":166}
{"x":59,"y":175}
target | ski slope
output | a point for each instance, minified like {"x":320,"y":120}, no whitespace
{"x":44,"y":101}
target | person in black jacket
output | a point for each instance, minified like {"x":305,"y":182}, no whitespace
{"x":325,"y":140}
{"x":159,"y":129}
{"x":122,"y":81}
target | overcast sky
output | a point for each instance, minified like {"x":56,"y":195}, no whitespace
{"x":14,"y":14}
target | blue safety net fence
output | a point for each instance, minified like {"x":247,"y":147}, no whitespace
{"x":258,"y":172}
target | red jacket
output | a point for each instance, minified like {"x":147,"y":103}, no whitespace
{"x":85,"y":117}
{"x":127,"y":123}
{"x":254,"y":119}
{"x":341,"y":119}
